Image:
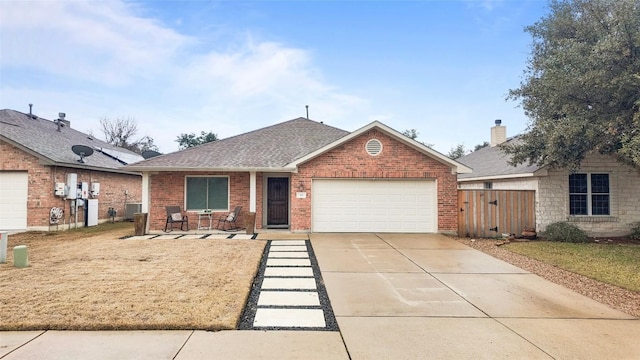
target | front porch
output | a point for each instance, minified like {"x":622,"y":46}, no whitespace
{"x":265,"y":198}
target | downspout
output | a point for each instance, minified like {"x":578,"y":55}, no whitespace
{"x":146,"y":180}
{"x":252,"y":192}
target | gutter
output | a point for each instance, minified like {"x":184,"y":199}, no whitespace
{"x":499,"y":177}
{"x":213,"y":169}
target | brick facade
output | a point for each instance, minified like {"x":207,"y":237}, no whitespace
{"x":396,"y":161}
{"x":42,"y":179}
{"x":350,"y":160}
{"x":168,"y":189}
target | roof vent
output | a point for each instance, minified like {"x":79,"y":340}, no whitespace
{"x":373,"y":147}
{"x":31,"y":112}
{"x":60,"y":120}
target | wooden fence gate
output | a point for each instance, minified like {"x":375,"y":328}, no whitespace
{"x":491,"y":213}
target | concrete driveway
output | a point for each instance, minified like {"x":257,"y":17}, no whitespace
{"x":399,"y":296}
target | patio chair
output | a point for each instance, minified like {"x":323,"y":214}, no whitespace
{"x":175,"y":216}
{"x":229,"y":219}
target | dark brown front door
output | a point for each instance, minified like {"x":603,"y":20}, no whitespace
{"x":277,"y":201}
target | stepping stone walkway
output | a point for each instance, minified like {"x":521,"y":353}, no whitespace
{"x":191,"y":237}
{"x":288,"y":293}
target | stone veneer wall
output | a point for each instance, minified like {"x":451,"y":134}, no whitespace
{"x":624,"y":187}
{"x":552,"y":196}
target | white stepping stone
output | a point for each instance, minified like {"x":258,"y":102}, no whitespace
{"x":143,"y":237}
{"x":242,"y":237}
{"x":192,"y":236}
{"x":217,"y":236}
{"x":288,"y":298}
{"x":289,"y":254}
{"x":288,"y":242}
{"x":288,"y":262}
{"x":288,"y":271}
{"x":289,"y":283}
{"x":289,"y":318}
{"x":288,"y":248}
{"x":166,"y":237}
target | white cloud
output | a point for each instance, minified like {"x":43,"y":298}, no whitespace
{"x":103,"y":59}
{"x":101,"y":41}
{"x":486,"y":5}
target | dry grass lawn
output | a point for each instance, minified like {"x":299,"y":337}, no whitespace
{"x":79,"y":280}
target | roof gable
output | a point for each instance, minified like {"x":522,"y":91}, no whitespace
{"x":267,"y":149}
{"x":454,"y":165}
{"x":493,"y":163}
{"x":52,"y":145}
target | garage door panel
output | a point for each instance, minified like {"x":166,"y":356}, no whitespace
{"x":13,"y":200}
{"x":368,"y":205}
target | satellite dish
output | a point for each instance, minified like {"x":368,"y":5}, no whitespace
{"x":148,"y":154}
{"x":82,"y":151}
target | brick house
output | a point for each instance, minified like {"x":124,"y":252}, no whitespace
{"x":36,"y":155}
{"x":303,"y":175}
{"x":602,"y":197}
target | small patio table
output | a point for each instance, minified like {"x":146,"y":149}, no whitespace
{"x":205,"y":215}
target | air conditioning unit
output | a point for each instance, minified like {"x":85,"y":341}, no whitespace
{"x":130,"y":209}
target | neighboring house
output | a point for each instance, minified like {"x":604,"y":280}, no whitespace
{"x":303,"y":175}
{"x":602,"y":197}
{"x":36,"y":157}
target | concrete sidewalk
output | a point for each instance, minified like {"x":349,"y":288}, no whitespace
{"x":179,"y":345}
{"x":394,"y":297}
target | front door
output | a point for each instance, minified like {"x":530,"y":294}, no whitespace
{"x":277,"y":201}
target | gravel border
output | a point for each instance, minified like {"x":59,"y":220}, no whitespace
{"x":249,"y":312}
{"x":618,"y":298}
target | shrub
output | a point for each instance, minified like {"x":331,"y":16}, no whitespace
{"x":635,"y":231}
{"x":562,"y":231}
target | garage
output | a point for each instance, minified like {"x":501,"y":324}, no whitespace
{"x":13,"y":200}
{"x":357,"y":205}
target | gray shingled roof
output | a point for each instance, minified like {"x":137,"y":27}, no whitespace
{"x":41,"y":138}
{"x":270,"y":147}
{"x":492,"y":162}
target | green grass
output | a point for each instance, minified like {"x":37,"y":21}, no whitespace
{"x":613,"y":264}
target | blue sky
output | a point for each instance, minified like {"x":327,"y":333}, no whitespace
{"x":440,"y":67}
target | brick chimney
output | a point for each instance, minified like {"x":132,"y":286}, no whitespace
{"x":498,"y":134}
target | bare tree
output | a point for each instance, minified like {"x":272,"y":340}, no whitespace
{"x":121,"y":131}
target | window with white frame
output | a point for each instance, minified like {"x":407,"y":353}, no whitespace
{"x":207,"y":193}
{"x":589,"y":194}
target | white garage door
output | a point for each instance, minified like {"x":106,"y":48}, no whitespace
{"x":374,"y":206}
{"x":13,"y":200}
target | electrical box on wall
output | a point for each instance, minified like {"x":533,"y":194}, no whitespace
{"x":59,"y":189}
{"x":95,"y":189}
{"x":84,"y":190}
{"x":71,"y":188}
